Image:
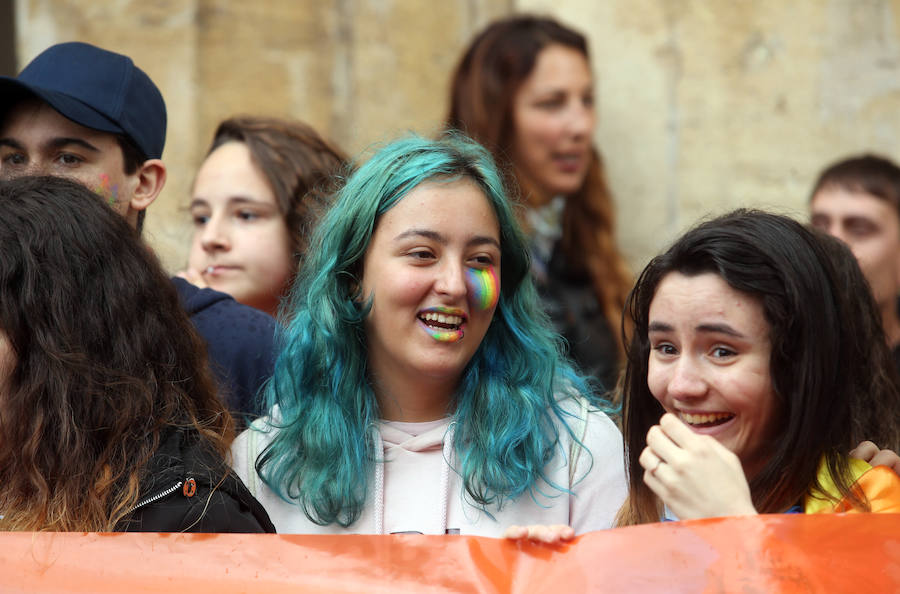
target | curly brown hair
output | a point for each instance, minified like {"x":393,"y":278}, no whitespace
{"x":105,"y":361}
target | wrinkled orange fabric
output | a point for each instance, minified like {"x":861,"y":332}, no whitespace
{"x":881,"y":487}
{"x":776,"y":553}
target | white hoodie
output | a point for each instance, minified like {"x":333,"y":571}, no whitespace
{"x":417,"y":490}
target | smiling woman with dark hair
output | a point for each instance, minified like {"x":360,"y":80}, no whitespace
{"x":751,"y":361}
{"x":109,"y":420}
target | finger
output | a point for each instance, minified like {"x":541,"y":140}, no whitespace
{"x":515,"y":532}
{"x":551,"y":534}
{"x":648,"y":460}
{"x":661,"y":445}
{"x":886,"y":458}
{"x":196,"y":277}
{"x":865,"y":451}
{"x":677,"y":431}
{"x":656,"y":485}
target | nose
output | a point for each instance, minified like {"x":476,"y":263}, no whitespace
{"x":837,"y":230}
{"x":581,"y":119}
{"x":451,"y":280}
{"x":687,"y":380}
{"x":214,"y":236}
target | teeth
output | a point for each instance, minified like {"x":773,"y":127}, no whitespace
{"x":442,"y":318}
{"x":704,"y":418}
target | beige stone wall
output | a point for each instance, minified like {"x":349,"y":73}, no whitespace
{"x":360,"y":71}
{"x":708,"y":105}
{"x":705,"y":105}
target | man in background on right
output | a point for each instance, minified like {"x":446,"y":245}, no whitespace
{"x":857,"y":200}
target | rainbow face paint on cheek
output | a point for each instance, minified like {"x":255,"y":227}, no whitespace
{"x":107,"y":191}
{"x":484,"y":287}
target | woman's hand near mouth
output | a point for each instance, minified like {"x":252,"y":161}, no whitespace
{"x":694,"y":475}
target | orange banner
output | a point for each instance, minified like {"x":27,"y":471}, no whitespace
{"x":783,"y":553}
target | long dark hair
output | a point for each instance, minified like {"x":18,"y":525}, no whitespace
{"x":819,"y":364}
{"x":875,"y":415}
{"x":106,"y":361}
{"x":483,"y":88}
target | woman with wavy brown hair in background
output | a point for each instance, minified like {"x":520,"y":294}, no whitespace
{"x":524,"y":90}
{"x":254,"y":203}
{"x":109,"y":419}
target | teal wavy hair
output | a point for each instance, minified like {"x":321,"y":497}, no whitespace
{"x":324,"y":452}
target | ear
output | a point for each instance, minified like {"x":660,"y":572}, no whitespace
{"x":151,"y":177}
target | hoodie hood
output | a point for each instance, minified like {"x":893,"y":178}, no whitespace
{"x":195,"y":299}
{"x":413,"y":437}
{"x":397,"y":440}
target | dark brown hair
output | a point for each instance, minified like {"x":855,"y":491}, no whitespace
{"x":822,"y":368}
{"x":869,"y":174}
{"x":301,"y":167}
{"x":106,"y":361}
{"x":483,"y":88}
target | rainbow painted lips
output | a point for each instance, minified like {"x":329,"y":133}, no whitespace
{"x":444,"y":324}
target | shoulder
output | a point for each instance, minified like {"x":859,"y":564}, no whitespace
{"x":247,"y":447}
{"x":590,"y":426}
{"x":220,"y":314}
{"x":240,"y":342}
{"x":192,"y":489}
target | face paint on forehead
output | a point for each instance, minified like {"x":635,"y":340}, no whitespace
{"x":107,"y":191}
{"x":484,"y":287}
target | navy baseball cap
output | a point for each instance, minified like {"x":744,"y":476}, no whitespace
{"x":98,"y":89}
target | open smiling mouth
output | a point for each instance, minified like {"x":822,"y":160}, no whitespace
{"x":443,"y":326}
{"x":705,"y":419}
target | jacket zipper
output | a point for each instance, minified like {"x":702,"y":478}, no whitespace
{"x":157,"y":497}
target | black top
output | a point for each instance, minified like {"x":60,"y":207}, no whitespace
{"x":187,"y":488}
{"x":569,"y":299}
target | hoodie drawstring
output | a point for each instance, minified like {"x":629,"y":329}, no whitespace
{"x":445,"y":476}
{"x":378,"y":495}
{"x":378,"y":510}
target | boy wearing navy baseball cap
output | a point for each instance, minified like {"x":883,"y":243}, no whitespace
{"x":89,"y":114}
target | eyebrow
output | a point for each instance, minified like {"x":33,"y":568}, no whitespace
{"x":705,"y":328}
{"x":56,"y":143}
{"x":231,"y":200}
{"x":435,"y":236}
{"x":61,"y":142}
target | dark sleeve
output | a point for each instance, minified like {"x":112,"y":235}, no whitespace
{"x":227,"y":513}
{"x":240,"y":342}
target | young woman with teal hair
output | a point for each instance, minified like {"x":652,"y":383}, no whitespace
{"x":412,"y":393}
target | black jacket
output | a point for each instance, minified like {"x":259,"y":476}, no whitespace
{"x":569,"y":299}
{"x":186,"y":488}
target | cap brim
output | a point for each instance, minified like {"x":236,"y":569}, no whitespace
{"x":69,"y":107}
